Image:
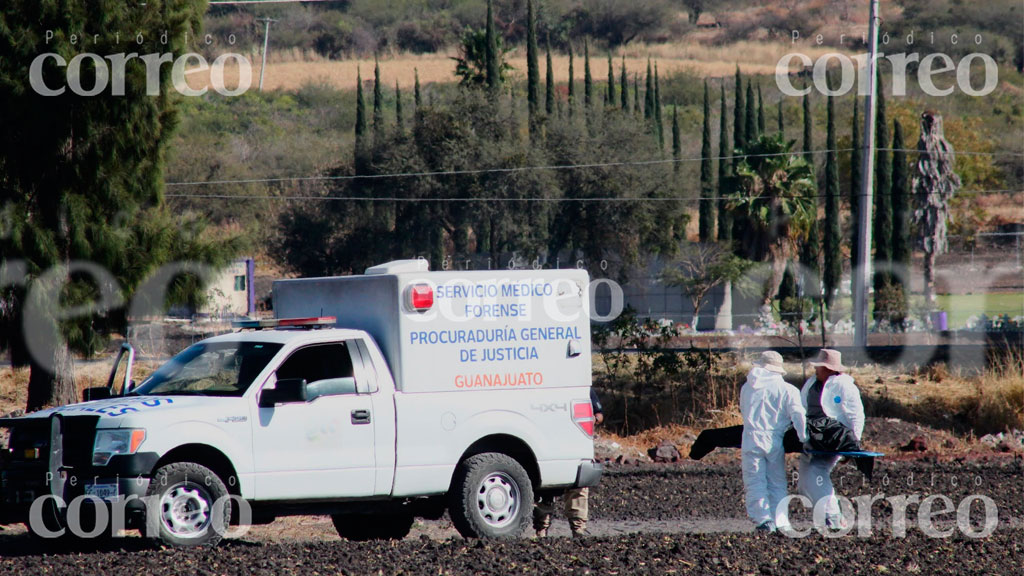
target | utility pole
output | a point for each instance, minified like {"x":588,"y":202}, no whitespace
{"x":862,"y":275}
{"x":266,"y":38}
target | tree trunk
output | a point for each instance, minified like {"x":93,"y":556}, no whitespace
{"x":778,"y":257}
{"x":56,"y":388}
{"x":929,"y":278}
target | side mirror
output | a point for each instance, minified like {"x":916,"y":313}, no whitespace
{"x":95,"y":393}
{"x":287,"y":391}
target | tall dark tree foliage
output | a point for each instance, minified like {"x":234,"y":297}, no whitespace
{"x":611,"y":82}
{"x":750,"y":130}
{"x":549,"y":86}
{"x":649,"y":94}
{"x":659,"y":126}
{"x":901,"y":210}
{"x":572,"y":84}
{"x":417,"y":97}
{"x":811,"y":249}
{"x":82,"y":181}
{"x":832,"y":274}
{"x":588,"y":80}
{"x":624,"y":87}
{"x":706,"y":206}
{"x":882,"y":228}
{"x":399,"y":117}
{"x":532,"y":68}
{"x":677,"y":141}
{"x":760,"y":111}
{"x":739,"y":122}
{"x":378,"y":105}
{"x":855,"y":186}
{"x":724,"y":152}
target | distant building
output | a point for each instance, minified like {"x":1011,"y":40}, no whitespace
{"x":232,"y":293}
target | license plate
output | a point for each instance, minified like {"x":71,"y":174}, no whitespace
{"x":102,"y":491}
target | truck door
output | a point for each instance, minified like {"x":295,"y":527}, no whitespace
{"x":320,"y":448}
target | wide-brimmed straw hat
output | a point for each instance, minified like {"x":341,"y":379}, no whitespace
{"x":770,"y":360}
{"x":830,"y":359}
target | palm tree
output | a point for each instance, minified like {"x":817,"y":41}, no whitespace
{"x":775,"y":196}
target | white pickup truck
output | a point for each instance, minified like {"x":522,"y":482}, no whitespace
{"x":430,"y":391}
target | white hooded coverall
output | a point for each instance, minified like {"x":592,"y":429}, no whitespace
{"x":769,"y":405}
{"x":840,"y":399}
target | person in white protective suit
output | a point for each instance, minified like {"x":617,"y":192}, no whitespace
{"x":769,"y":405}
{"x":833,"y":394}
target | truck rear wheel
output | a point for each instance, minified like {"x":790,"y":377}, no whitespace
{"x":492,"y":497}
{"x":361,"y":527}
{"x":191,"y":506}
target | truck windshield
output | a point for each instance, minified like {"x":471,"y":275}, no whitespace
{"x":210,"y":369}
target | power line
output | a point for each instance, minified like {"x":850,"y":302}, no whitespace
{"x":514,"y":169}
{"x":495,"y":198}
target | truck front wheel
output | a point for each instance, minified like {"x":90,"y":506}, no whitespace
{"x":188,"y":505}
{"x":492,"y":497}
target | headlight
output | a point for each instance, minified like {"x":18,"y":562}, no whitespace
{"x":112,"y":442}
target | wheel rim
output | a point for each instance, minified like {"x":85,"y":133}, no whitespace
{"x":497,"y":499}
{"x":185,"y":510}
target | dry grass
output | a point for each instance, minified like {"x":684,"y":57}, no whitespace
{"x":295,"y":69}
{"x":14,"y":381}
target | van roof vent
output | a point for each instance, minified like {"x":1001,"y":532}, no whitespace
{"x":398,"y":267}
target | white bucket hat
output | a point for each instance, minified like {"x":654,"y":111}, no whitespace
{"x":770,"y":360}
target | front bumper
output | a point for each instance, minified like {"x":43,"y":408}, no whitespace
{"x":588,"y":474}
{"x":52,"y":458}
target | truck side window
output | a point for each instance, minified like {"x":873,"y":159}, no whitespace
{"x":327,"y":369}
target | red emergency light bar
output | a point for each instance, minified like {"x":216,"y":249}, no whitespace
{"x":311,"y":322}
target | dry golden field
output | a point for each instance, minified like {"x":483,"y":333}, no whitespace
{"x":290,"y":70}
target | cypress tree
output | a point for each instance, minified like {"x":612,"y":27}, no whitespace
{"x":417,"y":98}
{"x":882,"y":228}
{"x":491,"y":53}
{"x":760,"y":111}
{"x":810,"y":249}
{"x":636,"y":93}
{"x":532,"y":67}
{"x":808,"y":130}
{"x":706,"y":216}
{"x":649,"y":94}
{"x":588,"y":80}
{"x":724,"y":218}
{"x":677,"y":142}
{"x":833,"y":236}
{"x":855,"y":186}
{"x":549,"y":85}
{"x":900,"y":204}
{"x":611,"y":81}
{"x":378,"y":106}
{"x":360,"y":148}
{"x":658,"y":124}
{"x":739,"y":135}
{"x":399,"y":121}
{"x":624,"y":87}
{"x":782,"y":124}
{"x":750,"y":130}
{"x":572,"y":85}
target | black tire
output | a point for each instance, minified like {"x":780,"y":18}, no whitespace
{"x":362,"y":527}
{"x":185,"y":509}
{"x":491,"y":497}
